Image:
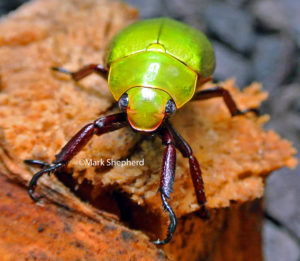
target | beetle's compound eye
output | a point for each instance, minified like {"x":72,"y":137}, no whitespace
{"x":123,"y":102}
{"x":170,"y":108}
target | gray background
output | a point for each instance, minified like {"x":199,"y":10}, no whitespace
{"x":254,"y":41}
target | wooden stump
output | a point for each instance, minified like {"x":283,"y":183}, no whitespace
{"x":41,"y":110}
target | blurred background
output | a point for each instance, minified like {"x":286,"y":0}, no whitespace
{"x":254,"y":40}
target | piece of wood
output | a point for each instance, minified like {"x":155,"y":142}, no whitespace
{"x":41,"y":110}
{"x":49,"y":232}
{"x":231,"y":234}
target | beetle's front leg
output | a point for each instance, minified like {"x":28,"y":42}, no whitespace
{"x":77,"y":142}
{"x":225,"y":94}
{"x":195,"y":170}
{"x":84,"y":71}
{"x":167,"y":180}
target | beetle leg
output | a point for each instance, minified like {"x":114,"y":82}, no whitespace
{"x":195,"y":170}
{"x":77,"y":142}
{"x":36,"y":176}
{"x":39,"y":163}
{"x":84,"y":71}
{"x":167,"y":180}
{"x":201,"y":81}
{"x":225,"y":94}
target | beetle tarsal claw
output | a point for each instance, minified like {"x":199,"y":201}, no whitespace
{"x":39,"y":163}
{"x":172,"y":225}
{"x":33,"y":182}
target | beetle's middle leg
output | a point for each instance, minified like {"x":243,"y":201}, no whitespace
{"x":84,"y":71}
{"x":225,"y":94}
{"x":77,"y":142}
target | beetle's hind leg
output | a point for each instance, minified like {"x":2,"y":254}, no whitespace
{"x":225,"y":94}
{"x":167,"y":180}
{"x":84,"y":71}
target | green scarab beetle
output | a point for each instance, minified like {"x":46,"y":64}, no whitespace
{"x":153,"y":68}
{"x":154,"y":61}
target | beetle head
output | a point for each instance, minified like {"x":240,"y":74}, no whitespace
{"x":146,"y":107}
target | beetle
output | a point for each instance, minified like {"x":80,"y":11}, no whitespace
{"x":153,"y":68}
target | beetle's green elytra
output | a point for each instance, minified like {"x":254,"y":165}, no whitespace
{"x":184,"y":42}
{"x":158,"y":53}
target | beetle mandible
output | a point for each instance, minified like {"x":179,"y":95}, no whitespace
{"x":153,"y":68}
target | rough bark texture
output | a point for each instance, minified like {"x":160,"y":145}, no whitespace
{"x":50,"y":232}
{"x":41,"y":110}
